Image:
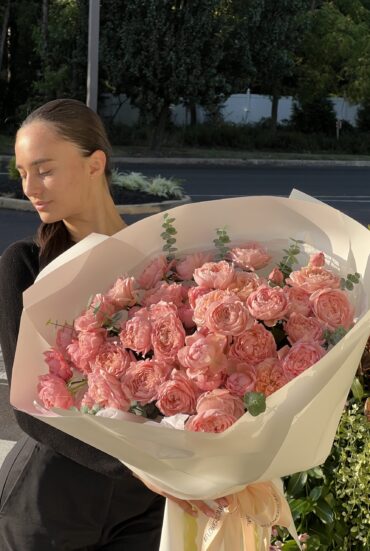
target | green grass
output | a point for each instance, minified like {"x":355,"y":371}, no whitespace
{"x":6,"y":148}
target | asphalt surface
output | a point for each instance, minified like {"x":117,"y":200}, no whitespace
{"x":345,"y":188}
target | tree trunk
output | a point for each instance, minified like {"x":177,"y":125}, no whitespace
{"x":45,"y":32}
{"x":274,"y":111}
{"x":4,"y":30}
{"x":159,"y":129}
{"x":193,"y":114}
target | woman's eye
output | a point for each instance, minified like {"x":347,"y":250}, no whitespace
{"x":46,"y":173}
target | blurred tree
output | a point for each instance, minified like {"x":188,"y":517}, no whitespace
{"x":61,"y":45}
{"x":165,"y":52}
{"x":335,"y":54}
{"x":274,"y":43}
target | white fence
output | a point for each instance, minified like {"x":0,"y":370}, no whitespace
{"x":238,"y":108}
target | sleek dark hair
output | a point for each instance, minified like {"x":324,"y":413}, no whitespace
{"x":74,"y":122}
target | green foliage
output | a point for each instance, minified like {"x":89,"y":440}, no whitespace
{"x":349,"y":282}
{"x":12,"y":170}
{"x":315,"y":115}
{"x":220,"y":242}
{"x":163,"y":53}
{"x":330,"y":503}
{"x":363,"y":117}
{"x":135,"y":181}
{"x":335,"y":54}
{"x":290,"y":257}
{"x":255,"y":402}
{"x":168,"y":235}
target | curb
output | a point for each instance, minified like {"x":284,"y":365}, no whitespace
{"x":143,"y":208}
{"x":194,"y":161}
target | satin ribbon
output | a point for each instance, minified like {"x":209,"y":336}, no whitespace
{"x":247,"y":523}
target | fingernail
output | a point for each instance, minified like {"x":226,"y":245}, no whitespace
{"x":224,"y":502}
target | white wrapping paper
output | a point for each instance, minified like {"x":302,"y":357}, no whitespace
{"x":297,"y":430}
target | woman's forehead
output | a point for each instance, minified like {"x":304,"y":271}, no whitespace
{"x":40,"y":140}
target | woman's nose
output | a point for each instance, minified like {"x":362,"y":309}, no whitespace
{"x":31,"y":185}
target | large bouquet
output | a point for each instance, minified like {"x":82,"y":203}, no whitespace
{"x":202,"y":338}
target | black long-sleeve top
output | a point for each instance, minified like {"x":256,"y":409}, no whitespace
{"x":19,"y":267}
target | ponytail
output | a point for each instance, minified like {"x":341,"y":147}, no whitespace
{"x":53,"y":239}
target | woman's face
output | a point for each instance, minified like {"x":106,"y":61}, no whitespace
{"x":56,"y":178}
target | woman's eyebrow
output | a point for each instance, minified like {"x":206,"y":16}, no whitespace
{"x":36,"y":162}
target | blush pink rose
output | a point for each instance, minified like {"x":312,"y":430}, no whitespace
{"x":143,"y":379}
{"x":57,"y":364}
{"x":298,"y":301}
{"x":223,"y":400}
{"x":240,"y":383}
{"x":302,"y":328}
{"x":204,"y":352}
{"x":113,"y":358}
{"x":268,"y":304}
{"x":212,"y":420}
{"x":85,"y":401}
{"x":276,"y":276}
{"x":85,"y":348}
{"x":122,"y":293}
{"x":99,"y":312}
{"x":177,"y":395}
{"x":244,"y":284}
{"x":301,"y":356}
{"x":228,"y":316}
{"x":168,"y":336}
{"x":251,"y":256}
{"x":153,"y":272}
{"x":186,"y":313}
{"x":312,"y":278}
{"x":185,"y":268}
{"x":270,"y":376}
{"x":64,"y":338}
{"x":214,"y":275}
{"x":196,"y":292}
{"x":106,"y":390}
{"x":204,"y":302}
{"x":254,"y":345}
{"x":136,"y":332}
{"x":173,"y":292}
{"x":317,"y":260}
{"x":53,"y":392}
{"x":333,"y":308}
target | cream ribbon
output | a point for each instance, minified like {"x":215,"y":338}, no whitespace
{"x":247,"y":523}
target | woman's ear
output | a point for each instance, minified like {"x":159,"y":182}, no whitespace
{"x":97,"y":162}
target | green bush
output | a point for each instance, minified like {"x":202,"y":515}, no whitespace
{"x":314,"y":116}
{"x":330,"y":503}
{"x":363,"y":118}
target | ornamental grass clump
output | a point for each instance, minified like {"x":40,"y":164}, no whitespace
{"x":159,"y":186}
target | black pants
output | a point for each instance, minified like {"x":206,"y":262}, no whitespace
{"x":48,"y":502}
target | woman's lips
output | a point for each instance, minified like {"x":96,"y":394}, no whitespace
{"x":41,"y":205}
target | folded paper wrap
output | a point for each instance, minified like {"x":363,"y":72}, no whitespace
{"x":296,"y":431}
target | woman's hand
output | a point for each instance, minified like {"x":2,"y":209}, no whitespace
{"x":189,"y":506}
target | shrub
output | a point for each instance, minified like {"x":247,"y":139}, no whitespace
{"x":363,"y":117}
{"x":159,"y":186}
{"x":314,"y":116}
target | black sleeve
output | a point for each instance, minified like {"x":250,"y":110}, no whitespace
{"x":18,"y":270}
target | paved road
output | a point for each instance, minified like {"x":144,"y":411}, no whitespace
{"x":344,"y":188}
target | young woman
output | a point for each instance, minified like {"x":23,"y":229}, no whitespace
{"x":55,"y":491}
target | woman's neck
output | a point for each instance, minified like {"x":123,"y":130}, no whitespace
{"x":102,"y":217}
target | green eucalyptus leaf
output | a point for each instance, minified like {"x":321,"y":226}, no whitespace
{"x":255,"y":403}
